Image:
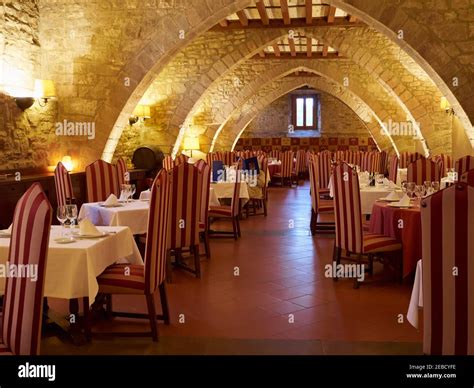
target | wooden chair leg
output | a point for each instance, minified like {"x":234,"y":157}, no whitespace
{"x":207,"y":245}
{"x":238,"y":227}
{"x":264,"y":207}
{"x":87,"y":318}
{"x":234,"y":227}
{"x":197,"y":261}
{"x":169,"y":268}
{"x":359,"y":262}
{"x":108,"y":306}
{"x":337,"y":258}
{"x":164,"y":303}
{"x":152,"y":316}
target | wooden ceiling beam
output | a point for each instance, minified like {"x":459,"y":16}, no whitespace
{"x":292,"y":47}
{"x":318,"y":55}
{"x":262,"y":11}
{"x":276,"y":49}
{"x":331,"y":14}
{"x":309,"y":11}
{"x":285,"y":12}
{"x":325,"y":50}
{"x":261,"y":53}
{"x":244,"y":21}
{"x":295,"y":23}
{"x":309,"y":46}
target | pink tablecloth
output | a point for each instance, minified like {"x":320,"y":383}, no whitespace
{"x":403,"y":225}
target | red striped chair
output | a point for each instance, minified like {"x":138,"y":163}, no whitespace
{"x":123,"y":175}
{"x":230,"y":212}
{"x":168,"y":163}
{"x":185,"y":208}
{"x":445,"y":163}
{"x":23,"y":298}
{"x":102,"y":180}
{"x":229,"y":158}
{"x":375,"y":162}
{"x":318,"y":205}
{"x":393,"y":168}
{"x":300,"y":166}
{"x":423,"y":170}
{"x":408,"y":157}
{"x":340,"y":156}
{"x":464,"y":164}
{"x":383,"y":166}
{"x":134,"y":279}
{"x":62,"y":182}
{"x":468,"y":177}
{"x":205,"y":184}
{"x":180,"y":160}
{"x":349,"y":231}
{"x":287,"y":171}
{"x":324,"y":165}
{"x":447,"y":222}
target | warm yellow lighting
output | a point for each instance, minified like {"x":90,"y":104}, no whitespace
{"x":15,"y":82}
{"x":142,"y":111}
{"x":444,"y":104}
{"x":67,"y":162}
{"x":44,"y":88}
{"x":191,"y":143}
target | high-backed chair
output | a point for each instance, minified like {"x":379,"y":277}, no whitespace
{"x":464,"y":164}
{"x":135,"y":279}
{"x":350,"y":236}
{"x":324,"y":174}
{"x":287,"y":171}
{"x":62,"y":182}
{"x":168,"y":163}
{"x":102,"y":180}
{"x":122,"y":172}
{"x":318,"y":205}
{"x":340,"y":155}
{"x":468,"y":177}
{"x":300,"y":166}
{"x":180,"y":160}
{"x":393,"y":168}
{"x":205,"y":183}
{"x":365,"y":161}
{"x":276,"y":154}
{"x":230,"y":212}
{"x":445,"y":163}
{"x":185,"y":205}
{"x":423,"y":170}
{"x":447,"y":223}
{"x":23,"y":298}
{"x":408,"y":157}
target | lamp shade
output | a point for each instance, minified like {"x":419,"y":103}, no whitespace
{"x":444,"y":103}
{"x":142,"y":111}
{"x":44,"y":88}
{"x":191,"y":143}
{"x":67,"y":162}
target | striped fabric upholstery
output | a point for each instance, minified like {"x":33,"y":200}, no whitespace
{"x":145,"y":279}
{"x":122,"y":172}
{"x":365,"y":161}
{"x":234,"y":208}
{"x":393,"y":168}
{"x":180,"y":160}
{"x":375,"y":165}
{"x":23,"y":301}
{"x":408,"y":157}
{"x":383,"y":166}
{"x":229,"y":158}
{"x":445,"y":162}
{"x":340,"y":155}
{"x":464,"y":164}
{"x":286,"y":165}
{"x":324,"y":164}
{"x":317,"y":204}
{"x":423,"y":170}
{"x":349,"y":231}
{"x":102,"y":180}
{"x":468,"y":177}
{"x":300,"y":162}
{"x":447,"y":220}
{"x":168,"y":163}
{"x":185,"y":205}
{"x":205,"y":170}
{"x":62,"y":182}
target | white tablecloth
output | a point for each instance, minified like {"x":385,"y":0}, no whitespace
{"x":402,"y":176}
{"x":226,"y":190}
{"x":416,"y":299}
{"x":133,"y":214}
{"x":72,"y":269}
{"x":213,"y":200}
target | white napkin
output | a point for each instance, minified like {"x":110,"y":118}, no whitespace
{"x":393,"y":195}
{"x":111,"y":201}
{"x":404,"y":201}
{"x":87,"y":228}
{"x":146,"y":194}
{"x":386,"y":182}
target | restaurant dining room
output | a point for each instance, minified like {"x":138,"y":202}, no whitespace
{"x":237,"y":178}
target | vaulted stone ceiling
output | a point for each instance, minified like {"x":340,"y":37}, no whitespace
{"x":199,"y":64}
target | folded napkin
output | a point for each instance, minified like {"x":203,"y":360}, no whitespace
{"x":404,"y":201}
{"x":146,"y":194}
{"x":386,"y":182}
{"x":111,"y":201}
{"x":87,"y":228}
{"x":393,"y":195}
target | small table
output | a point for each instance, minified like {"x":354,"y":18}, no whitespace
{"x":402,"y":224}
{"x":226,"y":190}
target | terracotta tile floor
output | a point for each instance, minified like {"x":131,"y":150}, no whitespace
{"x":280,"y":303}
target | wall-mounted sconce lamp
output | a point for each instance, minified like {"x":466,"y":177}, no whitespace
{"x":446,"y":106}
{"x":44,"y":90}
{"x":141,"y":112}
{"x":67,"y":163}
{"x":191,"y":144}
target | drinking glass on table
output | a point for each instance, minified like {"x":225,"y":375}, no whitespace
{"x":435,"y":186}
{"x":133,"y":189}
{"x":419,"y":192}
{"x":62,"y":217}
{"x":404,"y":187}
{"x":428,"y":189}
{"x":71,"y":214}
{"x":411,"y":189}
{"x":125,"y":192}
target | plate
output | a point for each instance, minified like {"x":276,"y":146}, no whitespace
{"x":108,"y":206}
{"x":399,"y":206}
{"x":65,"y":240}
{"x":103,"y":234}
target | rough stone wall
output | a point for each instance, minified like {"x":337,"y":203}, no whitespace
{"x":337,"y":119}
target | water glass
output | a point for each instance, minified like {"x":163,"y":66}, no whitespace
{"x":62,"y":217}
{"x":71,"y":214}
{"x":435,"y":186}
{"x":411,"y":189}
{"x":133,"y":189}
{"x":428,"y":189}
{"x":419,"y":192}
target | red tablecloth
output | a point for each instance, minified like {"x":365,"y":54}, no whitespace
{"x":403,"y":225}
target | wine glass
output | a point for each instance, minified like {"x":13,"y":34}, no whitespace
{"x":419,"y":192}
{"x":71,"y":214}
{"x":404,"y":187}
{"x":125,"y":192}
{"x":435,"y":186}
{"x":133,"y":189}
{"x":62,"y":217}
{"x":411,"y":189}
{"x":427,"y":185}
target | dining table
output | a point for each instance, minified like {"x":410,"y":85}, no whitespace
{"x":402,"y":224}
